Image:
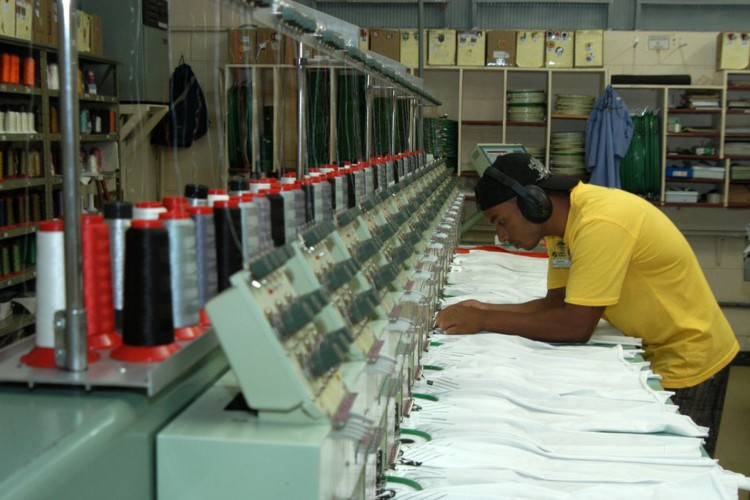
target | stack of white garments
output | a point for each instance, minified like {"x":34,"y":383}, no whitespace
{"x":499,"y":416}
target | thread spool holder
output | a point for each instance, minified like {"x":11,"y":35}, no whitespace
{"x":108,"y":372}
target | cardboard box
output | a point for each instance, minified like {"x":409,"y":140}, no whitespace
{"x":441,"y":47}
{"x":83,"y":31}
{"x":54,"y":22}
{"x":589,"y":51}
{"x":409,"y":48}
{"x":8,"y":17}
{"x":40,"y":21}
{"x":733,"y":50}
{"x":501,"y":48}
{"x":386,"y":42}
{"x":23,"y":19}
{"x":97,"y":40}
{"x":470,"y":48}
{"x":241,"y":44}
{"x":530,"y":49}
{"x":559,"y":49}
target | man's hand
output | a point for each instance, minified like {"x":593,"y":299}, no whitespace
{"x":460,"y":319}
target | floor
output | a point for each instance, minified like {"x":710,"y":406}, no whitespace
{"x":733,"y":445}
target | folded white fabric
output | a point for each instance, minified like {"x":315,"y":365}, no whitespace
{"x":446,"y":484}
{"x":521,"y":419}
{"x":643,"y":418}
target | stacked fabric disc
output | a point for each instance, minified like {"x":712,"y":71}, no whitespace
{"x":536,"y":152}
{"x":573,"y":104}
{"x":567,"y":153}
{"x":527,"y":105}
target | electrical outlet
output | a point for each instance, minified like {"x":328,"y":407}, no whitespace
{"x":658,"y":42}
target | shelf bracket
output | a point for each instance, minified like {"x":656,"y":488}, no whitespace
{"x":140,"y":119}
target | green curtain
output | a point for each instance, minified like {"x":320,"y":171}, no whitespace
{"x":239,"y":126}
{"x":350,"y":114}
{"x":640,"y":169}
{"x":318,"y":117}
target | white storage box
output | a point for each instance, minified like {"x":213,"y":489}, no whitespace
{"x":701,"y":172}
{"x":678,"y":196}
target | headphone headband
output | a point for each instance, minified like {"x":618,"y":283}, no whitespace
{"x":534,"y":203}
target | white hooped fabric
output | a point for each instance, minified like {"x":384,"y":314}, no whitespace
{"x":521,"y":419}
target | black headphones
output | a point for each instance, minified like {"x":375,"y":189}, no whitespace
{"x":533,"y":201}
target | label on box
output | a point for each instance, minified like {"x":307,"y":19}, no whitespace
{"x":530,"y":49}
{"x":559,"y":49}
{"x":442,"y":48}
{"x":471,"y":48}
{"x":8,"y":17}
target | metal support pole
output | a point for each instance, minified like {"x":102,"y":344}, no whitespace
{"x":301,"y":112}
{"x":420,"y":73}
{"x":70,"y":329}
{"x":393,"y":122}
{"x":368,"y":117}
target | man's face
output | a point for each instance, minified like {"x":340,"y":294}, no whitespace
{"x":512,"y":227}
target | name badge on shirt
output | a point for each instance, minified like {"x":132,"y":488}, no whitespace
{"x":560,"y":256}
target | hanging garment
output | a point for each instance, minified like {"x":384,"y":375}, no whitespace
{"x":609,"y":130}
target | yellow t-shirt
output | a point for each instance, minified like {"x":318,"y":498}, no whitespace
{"x":625,"y":254}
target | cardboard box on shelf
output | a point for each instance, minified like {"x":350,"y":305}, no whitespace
{"x":83,"y":31}
{"x":501,"y":48}
{"x":409,"y":48}
{"x":53,"y":15}
{"x":40,"y":21}
{"x":559,"y":49}
{"x":23,"y":19}
{"x":733,"y":50}
{"x":386,"y":42}
{"x":589,"y":49}
{"x":241,"y":44}
{"x":441,"y":47}
{"x":8,"y":17}
{"x":530,"y":49}
{"x":471,"y":46}
{"x":97,"y":40}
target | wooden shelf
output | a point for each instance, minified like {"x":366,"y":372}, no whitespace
{"x":694,"y":134}
{"x":17,"y":230}
{"x":694,"y":111}
{"x":672,"y":156}
{"x":512,"y":123}
{"x":696,"y":204}
{"x":693,"y":180}
{"x":563,"y":116}
{"x":483,"y":123}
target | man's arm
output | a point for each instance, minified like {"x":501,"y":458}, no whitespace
{"x":549,"y":319}
{"x":554,"y":297}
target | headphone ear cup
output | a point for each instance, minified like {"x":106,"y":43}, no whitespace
{"x":536,"y":207}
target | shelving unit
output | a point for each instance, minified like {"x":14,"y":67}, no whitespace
{"x":30,"y":188}
{"x":717,"y":130}
{"x":476,"y":97}
{"x":736,"y":138}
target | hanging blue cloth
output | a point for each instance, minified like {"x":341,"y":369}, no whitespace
{"x":609,"y":130}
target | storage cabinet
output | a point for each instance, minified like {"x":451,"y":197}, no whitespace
{"x":510,"y":105}
{"x":736,"y":138}
{"x":30,"y":170}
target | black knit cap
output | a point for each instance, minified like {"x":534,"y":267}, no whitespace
{"x":521,"y":167}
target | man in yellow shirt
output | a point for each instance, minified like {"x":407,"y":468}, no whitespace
{"x":611,"y":255}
